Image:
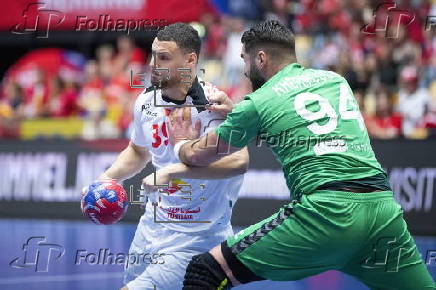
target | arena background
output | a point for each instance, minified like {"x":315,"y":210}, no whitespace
{"x":70,"y":73}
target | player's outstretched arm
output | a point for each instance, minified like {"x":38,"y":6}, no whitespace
{"x":228,"y":166}
{"x":206,"y":150}
{"x":128,"y":163}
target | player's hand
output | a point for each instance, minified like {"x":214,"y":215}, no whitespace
{"x":102,"y":177}
{"x":220,"y":103}
{"x":149,"y":184}
{"x":105,"y":177}
{"x":84,"y":190}
{"x":180,"y":126}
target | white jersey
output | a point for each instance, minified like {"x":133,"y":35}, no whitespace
{"x":189,"y":205}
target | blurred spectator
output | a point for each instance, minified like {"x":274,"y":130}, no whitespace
{"x":214,"y":44}
{"x":36,"y":97}
{"x":247,"y":9}
{"x":356,"y":75}
{"x":92,"y":102}
{"x":8,"y":125}
{"x":337,"y":15}
{"x":430,"y":117}
{"x":385,"y":124}
{"x":66,"y":102}
{"x":14,"y":98}
{"x":429,"y":72}
{"x":105,"y":55}
{"x":328,"y":56}
{"x":278,"y":10}
{"x":412,"y":103}
{"x":10,"y":104}
{"x":387,"y":68}
{"x":128,"y":56}
{"x":91,"y":98}
{"x":233,"y":64}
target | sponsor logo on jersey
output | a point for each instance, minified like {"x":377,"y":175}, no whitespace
{"x":176,"y":185}
{"x":180,"y":213}
{"x":148,"y":108}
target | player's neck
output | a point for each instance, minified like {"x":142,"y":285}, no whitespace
{"x":278,"y":67}
{"x":177,"y":93}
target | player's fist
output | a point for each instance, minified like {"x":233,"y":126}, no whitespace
{"x":149,"y":184}
{"x":220,"y":103}
{"x":160,"y":177}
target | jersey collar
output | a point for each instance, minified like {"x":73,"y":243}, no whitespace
{"x":196,"y":92}
{"x":291,"y":69}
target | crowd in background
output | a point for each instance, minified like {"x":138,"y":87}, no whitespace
{"x":101,"y":96}
{"x":392,"y":72}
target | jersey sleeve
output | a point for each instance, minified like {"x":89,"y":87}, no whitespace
{"x":241,"y":125}
{"x":138,"y":137}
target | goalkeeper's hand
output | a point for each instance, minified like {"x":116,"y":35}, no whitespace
{"x":220,"y":103}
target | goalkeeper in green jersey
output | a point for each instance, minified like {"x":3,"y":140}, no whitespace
{"x":342,"y":215}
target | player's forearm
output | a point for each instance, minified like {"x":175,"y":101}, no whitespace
{"x":201,"y":152}
{"x":128,"y":163}
{"x":229,"y":166}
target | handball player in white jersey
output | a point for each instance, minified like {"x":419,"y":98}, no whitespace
{"x":193,"y":214}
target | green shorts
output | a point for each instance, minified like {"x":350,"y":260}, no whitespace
{"x":361,"y":234}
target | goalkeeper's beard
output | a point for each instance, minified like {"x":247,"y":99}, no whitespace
{"x":256,"y":78}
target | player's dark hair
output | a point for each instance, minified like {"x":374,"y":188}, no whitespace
{"x":184,"y":35}
{"x":271,"y":36}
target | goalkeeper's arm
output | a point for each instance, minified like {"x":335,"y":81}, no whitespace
{"x":228,"y":166}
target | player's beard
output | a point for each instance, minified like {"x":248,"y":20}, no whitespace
{"x":256,"y":78}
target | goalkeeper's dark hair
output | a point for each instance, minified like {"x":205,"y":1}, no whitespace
{"x":184,"y":35}
{"x":270,"y":36}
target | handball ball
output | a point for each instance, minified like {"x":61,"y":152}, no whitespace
{"x":105,"y":202}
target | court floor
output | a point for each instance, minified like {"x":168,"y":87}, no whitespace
{"x":70,"y":255}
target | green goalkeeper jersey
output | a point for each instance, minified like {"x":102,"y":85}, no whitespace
{"x":311,"y":121}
